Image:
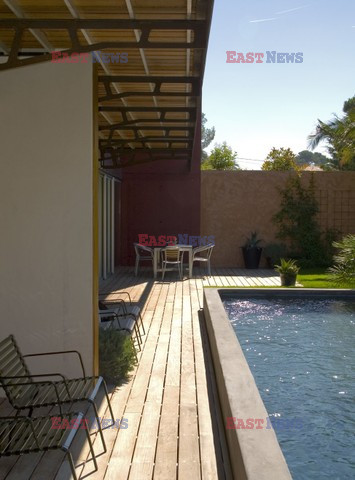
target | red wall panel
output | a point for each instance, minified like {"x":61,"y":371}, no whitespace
{"x":159,"y":198}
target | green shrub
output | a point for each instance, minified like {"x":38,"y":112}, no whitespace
{"x":116,"y":354}
{"x":344,"y":261}
{"x":274,"y":252}
{"x":298,"y":226}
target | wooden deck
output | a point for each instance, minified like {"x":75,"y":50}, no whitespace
{"x":170,"y":403}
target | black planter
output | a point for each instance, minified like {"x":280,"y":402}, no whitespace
{"x":252,"y":256}
{"x":288,"y":279}
{"x":269,"y":262}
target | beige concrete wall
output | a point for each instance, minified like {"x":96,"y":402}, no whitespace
{"x":46,"y":248}
{"x":235,"y":203}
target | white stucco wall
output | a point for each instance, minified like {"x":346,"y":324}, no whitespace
{"x":46,"y":219}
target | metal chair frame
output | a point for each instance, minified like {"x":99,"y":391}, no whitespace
{"x":108,"y":319}
{"x":203,"y":248}
{"x":139,"y":256}
{"x":24,"y":392}
{"x":172,"y":256}
{"x":23,"y":435}
{"x":123,"y":309}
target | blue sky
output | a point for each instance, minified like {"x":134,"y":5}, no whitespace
{"x":255,"y":107}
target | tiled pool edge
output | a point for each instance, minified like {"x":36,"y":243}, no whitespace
{"x":255,"y":454}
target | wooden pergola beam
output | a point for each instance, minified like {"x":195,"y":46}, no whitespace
{"x":75,"y":25}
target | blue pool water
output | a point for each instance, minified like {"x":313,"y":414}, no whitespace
{"x":302,"y":355}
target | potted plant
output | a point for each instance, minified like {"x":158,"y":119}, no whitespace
{"x":288,"y":270}
{"x":273,"y":252}
{"x":251,"y":251}
{"x":117,"y":355}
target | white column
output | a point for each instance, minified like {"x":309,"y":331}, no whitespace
{"x":104,"y":228}
{"x":112,"y":225}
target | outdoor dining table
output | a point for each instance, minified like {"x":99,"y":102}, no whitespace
{"x":156,"y":256}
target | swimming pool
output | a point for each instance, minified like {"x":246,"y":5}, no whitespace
{"x":300,"y":350}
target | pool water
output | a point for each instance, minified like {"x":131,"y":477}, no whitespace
{"x":302,"y":355}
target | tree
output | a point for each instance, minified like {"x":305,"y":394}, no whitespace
{"x":207,"y":135}
{"x":349,"y":105}
{"x":307,"y":158}
{"x":339,"y":133}
{"x":280,"y":159}
{"x":222,"y":157}
{"x":304,"y":157}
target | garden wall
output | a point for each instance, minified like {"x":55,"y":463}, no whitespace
{"x":233,"y":204}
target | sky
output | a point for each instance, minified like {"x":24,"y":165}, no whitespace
{"x":257,"y":106}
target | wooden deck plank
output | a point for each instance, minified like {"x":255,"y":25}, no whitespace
{"x":215,"y":279}
{"x":253,"y":281}
{"x":236,"y":277}
{"x":167,"y":401}
{"x":118,"y":402}
{"x":144,"y":455}
{"x":167,"y":443}
{"x":207,"y":447}
{"x":189,"y":455}
{"x":27,"y":464}
{"x":223,"y":275}
{"x":122,"y":459}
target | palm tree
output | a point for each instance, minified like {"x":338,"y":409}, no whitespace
{"x":340,"y":135}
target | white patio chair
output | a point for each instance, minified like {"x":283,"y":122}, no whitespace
{"x":171,"y":256}
{"x":203,"y":254}
{"x":142,"y":253}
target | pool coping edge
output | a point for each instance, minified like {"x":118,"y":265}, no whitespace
{"x":255,"y":454}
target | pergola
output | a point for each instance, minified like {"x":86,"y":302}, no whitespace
{"x":149,"y":106}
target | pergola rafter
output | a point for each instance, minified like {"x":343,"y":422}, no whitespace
{"x":73,"y":26}
{"x":114,"y":158}
{"x":135,"y":128}
{"x":113,"y":108}
{"x":162,"y":111}
{"x":144,"y":140}
{"x":132,"y":106}
{"x":157,"y":91}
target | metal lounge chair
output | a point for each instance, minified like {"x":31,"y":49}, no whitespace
{"x":109,"y":318}
{"x":123,"y":308}
{"x":25,"y":391}
{"x":172,"y":256}
{"x":23,"y":435}
{"x":203,"y":254}
{"x":143,"y":253}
